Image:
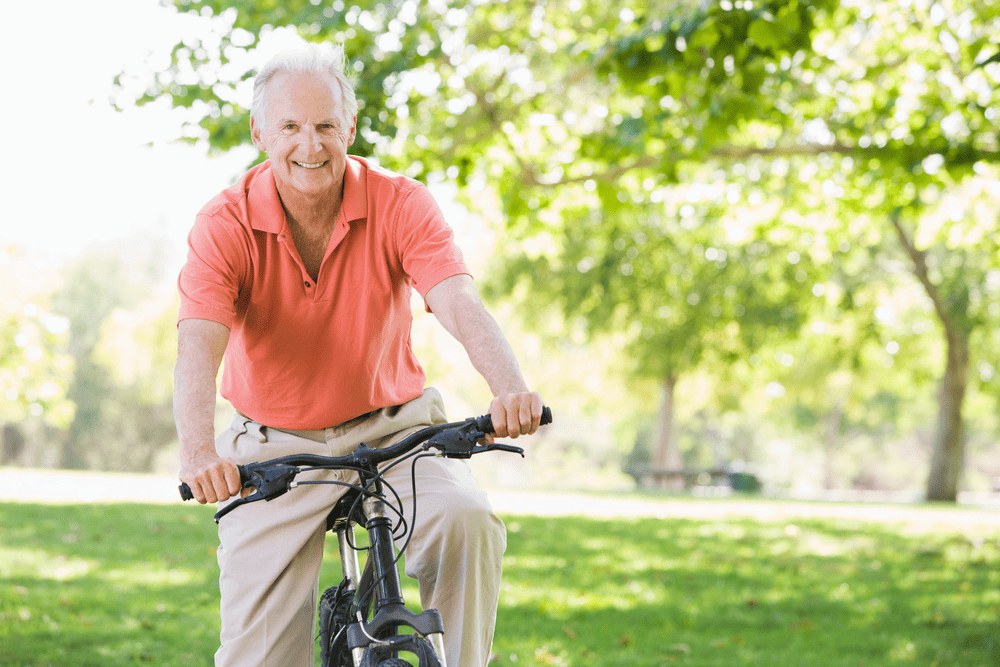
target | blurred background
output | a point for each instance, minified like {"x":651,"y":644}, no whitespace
{"x":738,"y":246}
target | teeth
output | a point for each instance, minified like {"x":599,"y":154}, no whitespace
{"x":311,"y":166}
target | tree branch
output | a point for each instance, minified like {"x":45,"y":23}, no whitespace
{"x":919,"y":259}
{"x":995,"y":58}
{"x":743,"y":152}
{"x":528,"y":176}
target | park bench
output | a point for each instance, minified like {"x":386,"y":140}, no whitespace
{"x":650,"y":477}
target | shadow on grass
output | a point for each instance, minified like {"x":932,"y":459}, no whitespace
{"x":741,"y":592}
{"x":104,"y":585}
{"x":92,"y":585}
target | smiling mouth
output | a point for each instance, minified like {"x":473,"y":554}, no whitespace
{"x":307,"y":165}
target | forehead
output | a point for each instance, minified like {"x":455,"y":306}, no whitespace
{"x":311,"y":94}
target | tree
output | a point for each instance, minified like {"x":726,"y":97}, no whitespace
{"x":910,"y":138}
{"x":817,"y":95}
{"x":448,"y":74}
{"x":668,"y":275}
{"x":587,"y":119}
{"x":137,"y":350}
{"x":34,"y":366}
{"x":93,"y":287}
{"x":859,"y":374}
{"x":121,"y":341}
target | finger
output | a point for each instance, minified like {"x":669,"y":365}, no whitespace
{"x":529,"y":413}
{"x":198,"y":494}
{"x":514,"y":418}
{"x":221,"y":486}
{"x":208,"y":492}
{"x":225,"y":480}
{"x":499,"y":416}
{"x":196,"y":487}
{"x":527,"y":421}
{"x":233,"y":478}
{"x":536,"y":412}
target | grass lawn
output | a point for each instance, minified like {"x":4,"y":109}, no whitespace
{"x":122,"y":584}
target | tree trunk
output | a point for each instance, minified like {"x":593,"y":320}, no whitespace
{"x":831,"y":442}
{"x":667,"y":454}
{"x":949,"y":440}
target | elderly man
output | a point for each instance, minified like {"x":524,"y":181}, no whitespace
{"x":300,"y":276}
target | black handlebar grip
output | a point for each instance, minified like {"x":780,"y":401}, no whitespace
{"x":485,"y":423}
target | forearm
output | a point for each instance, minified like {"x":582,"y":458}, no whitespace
{"x":194,"y":407}
{"x":515,"y":409}
{"x":490,"y":353}
{"x":200,"y":347}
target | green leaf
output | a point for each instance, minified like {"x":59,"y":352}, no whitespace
{"x":767,"y":35}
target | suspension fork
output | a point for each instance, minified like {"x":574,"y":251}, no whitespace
{"x":352,"y":569}
{"x":348,"y":556}
{"x":382,"y":551}
{"x":381,"y":573}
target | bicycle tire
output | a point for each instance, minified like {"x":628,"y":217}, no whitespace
{"x":376,"y":656}
{"x":334,"y":607}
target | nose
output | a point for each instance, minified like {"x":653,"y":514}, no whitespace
{"x":312,"y":141}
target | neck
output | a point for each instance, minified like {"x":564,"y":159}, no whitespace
{"x":312,"y":212}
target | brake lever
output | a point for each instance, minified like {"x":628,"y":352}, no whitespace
{"x":500,"y":447}
{"x":253,"y":497}
{"x":270,"y":482}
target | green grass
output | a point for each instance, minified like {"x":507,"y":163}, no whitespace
{"x":740,"y":592}
{"x":98,"y":585}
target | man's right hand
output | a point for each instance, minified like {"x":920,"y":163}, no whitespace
{"x":212,"y":479}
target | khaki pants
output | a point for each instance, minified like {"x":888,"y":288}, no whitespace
{"x":270,"y":552}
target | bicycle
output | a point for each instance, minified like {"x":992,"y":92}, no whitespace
{"x":360,"y":619}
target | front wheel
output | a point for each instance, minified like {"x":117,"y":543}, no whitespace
{"x":386,"y":654}
{"x":334,"y":606}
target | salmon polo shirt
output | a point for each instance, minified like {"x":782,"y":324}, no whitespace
{"x":307,"y":354}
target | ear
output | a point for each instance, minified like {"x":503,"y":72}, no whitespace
{"x":354,"y":131}
{"x":255,"y":135}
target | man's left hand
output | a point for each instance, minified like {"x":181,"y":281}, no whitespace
{"x":516,"y":414}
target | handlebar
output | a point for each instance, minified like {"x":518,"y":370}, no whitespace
{"x":454,"y":440}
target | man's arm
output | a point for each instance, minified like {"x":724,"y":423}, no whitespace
{"x":201,"y":345}
{"x":456,"y":304}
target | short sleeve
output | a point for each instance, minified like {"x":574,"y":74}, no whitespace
{"x":425,"y":242}
{"x":214,"y":274}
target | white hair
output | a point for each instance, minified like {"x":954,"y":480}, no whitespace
{"x":309,"y":58}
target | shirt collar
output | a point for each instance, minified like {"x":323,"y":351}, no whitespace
{"x":355,"y":206}
{"x":264,"y":205}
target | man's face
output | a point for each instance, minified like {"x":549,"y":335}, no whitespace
{"x":305,"y":133}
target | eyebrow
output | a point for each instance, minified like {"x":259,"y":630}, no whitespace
{"x":326,"y":121}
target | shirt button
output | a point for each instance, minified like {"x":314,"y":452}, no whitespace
{"x":308,"y":284}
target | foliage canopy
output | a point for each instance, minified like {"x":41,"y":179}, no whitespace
{"x":708,"y":177}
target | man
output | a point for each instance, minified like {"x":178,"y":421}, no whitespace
{"x":300,"y":276}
